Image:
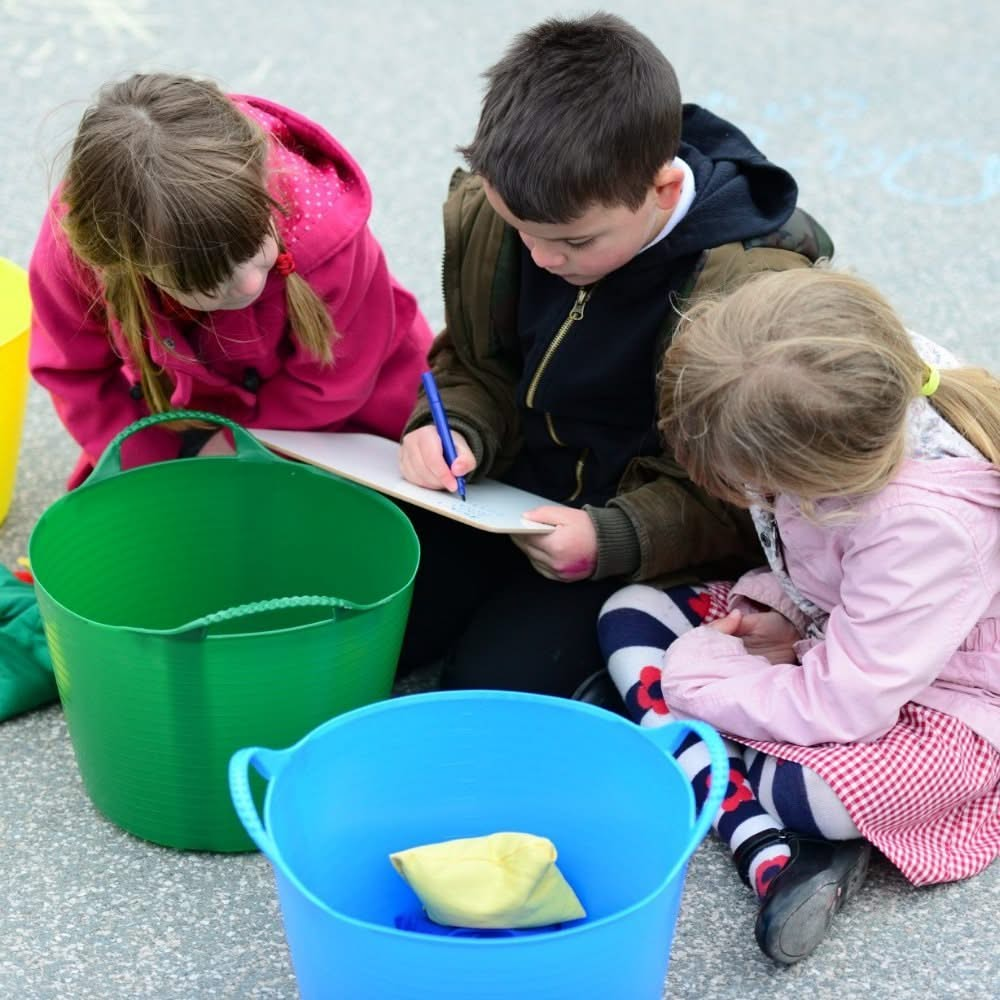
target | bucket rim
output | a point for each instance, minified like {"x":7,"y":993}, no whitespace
{"x":158,"y":469}
{"x":585,"y":926}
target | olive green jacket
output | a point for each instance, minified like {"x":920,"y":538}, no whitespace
{"x":660,"y":526}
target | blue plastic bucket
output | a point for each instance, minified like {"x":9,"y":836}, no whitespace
{"x":431,"y":767}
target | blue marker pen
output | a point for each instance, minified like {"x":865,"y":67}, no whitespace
{"x":441,"y":423}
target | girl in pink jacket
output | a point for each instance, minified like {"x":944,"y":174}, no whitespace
{"x":211,"y":252}
{"x":858,"y":675}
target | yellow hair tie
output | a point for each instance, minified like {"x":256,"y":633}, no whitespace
{"x":933,"y":381}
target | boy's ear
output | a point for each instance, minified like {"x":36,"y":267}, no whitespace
{"x":667,"y":185}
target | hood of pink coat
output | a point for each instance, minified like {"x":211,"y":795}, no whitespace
{"x":323,"y":190}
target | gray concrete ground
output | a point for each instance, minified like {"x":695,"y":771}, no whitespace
{"x":887,"y":115}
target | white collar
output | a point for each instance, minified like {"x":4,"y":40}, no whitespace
{"x":682,"y":206}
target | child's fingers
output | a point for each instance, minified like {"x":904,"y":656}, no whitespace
{"x":730,"y":625}
{"x":422,"y":461}
{"x":465,"y":463}
{"x":552,"y":514}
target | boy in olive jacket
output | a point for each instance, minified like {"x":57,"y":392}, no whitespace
{"x":598,"y":207}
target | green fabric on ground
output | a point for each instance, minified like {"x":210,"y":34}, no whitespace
{"x":26,"y":678}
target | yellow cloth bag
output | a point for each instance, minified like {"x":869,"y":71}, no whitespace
{"x":505,"y":880}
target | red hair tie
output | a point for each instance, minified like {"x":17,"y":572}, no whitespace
{"x":284,"y":263}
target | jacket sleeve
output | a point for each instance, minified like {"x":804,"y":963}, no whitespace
{"x":475,"y":368}
{"x":72,"y":356}
{"x":478,"y":396}
{"x":761,"y":586}
{"x":678,"y":525}
{"x":380,"y":351}
{"x":905,"y":608}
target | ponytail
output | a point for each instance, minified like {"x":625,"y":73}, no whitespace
{"x":310,"y":319}
{"x":969,"y":399}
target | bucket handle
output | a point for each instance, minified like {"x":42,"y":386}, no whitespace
{"x":274,"y":604}
{"x":248,"y":448}
{"x":268,"y":764}
{"x":668,"y":738}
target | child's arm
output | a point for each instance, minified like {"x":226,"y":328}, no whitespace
{"x":476,"y":359}
{"x":478,"y":392}
{"x":904,"y":610}
{"x":72,"y":356}
{"x":675,"y":525}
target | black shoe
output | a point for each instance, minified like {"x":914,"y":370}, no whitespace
{"x":599,"y":689}
{"x":800,"y":904}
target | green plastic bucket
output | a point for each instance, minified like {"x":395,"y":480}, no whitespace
{"x":196,"y":606}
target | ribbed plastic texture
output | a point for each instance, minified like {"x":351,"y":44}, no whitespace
{"x":431,"y":767}
{"x":195,"y":606}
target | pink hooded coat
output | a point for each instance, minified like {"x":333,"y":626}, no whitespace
{"x":243,"y":364}
{"x":912,"y":587}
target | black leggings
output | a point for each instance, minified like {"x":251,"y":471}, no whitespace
{"x":479,"y":605}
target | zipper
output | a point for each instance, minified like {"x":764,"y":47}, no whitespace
{"x":575,"y":314}
{"x":552,"y":431}
{"x":579,"y":475}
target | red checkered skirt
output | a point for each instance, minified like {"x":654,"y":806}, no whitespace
{"x":926,"y":794}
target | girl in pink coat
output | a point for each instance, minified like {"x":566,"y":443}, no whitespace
{"x":858,"y":675}
{"x":212,"y":252}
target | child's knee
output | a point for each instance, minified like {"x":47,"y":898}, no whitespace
{"x":635,"y":597}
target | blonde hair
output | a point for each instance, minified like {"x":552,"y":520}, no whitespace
{"x":799,"y":382}
{"x":166,"y":182}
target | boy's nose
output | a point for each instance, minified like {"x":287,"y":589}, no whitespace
{"x":546,"y":256}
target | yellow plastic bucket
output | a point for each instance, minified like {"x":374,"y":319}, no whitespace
{"x":15,"y":318}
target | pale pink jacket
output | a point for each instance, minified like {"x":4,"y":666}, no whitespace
{"x":912,"y":587}
{"x":246,"y":364}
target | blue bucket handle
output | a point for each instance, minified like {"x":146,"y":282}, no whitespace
{"x":668,"y":738}
{"x":268,"y":764}
{"x":248,"y":448}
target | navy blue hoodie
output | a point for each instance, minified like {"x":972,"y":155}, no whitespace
{"x":594,"y":406}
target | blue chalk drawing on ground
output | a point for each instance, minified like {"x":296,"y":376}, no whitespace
{"x":948,"y":172}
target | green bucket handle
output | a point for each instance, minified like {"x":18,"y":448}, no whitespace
{"x":248,"y":448}
{"x":193,"y":628}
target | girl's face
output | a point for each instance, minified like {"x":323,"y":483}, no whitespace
{"x":241,"y":289}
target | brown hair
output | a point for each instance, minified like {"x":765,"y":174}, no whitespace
{"x":576,"y":113}
{"x":799,"y":382}
{"x":166,"y":183}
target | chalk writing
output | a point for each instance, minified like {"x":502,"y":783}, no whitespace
{"x":832,"y":135}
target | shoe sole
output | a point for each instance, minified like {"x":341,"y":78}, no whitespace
{"x":807,"y":923}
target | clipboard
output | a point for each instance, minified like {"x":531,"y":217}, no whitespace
{"x":374,"y":462}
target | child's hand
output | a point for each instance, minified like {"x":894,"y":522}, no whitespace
{"x":421,"y":460}
{"x":764,"y":633}
{"x":568,"y":553}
